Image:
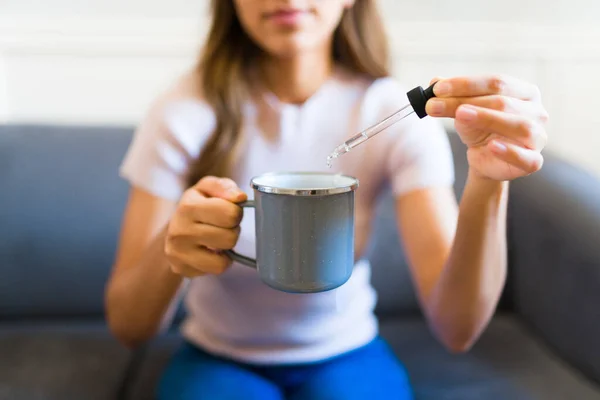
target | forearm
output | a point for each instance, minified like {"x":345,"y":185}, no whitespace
{"x":468,"y":288}
{"x":137,"y":297}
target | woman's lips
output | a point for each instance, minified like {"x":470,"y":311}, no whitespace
{"x":286,"y":17}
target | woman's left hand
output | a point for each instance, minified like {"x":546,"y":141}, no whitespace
{"x":500,"y":120}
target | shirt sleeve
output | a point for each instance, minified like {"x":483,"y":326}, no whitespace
{"x":419,"y":153}
{"x":154,"y":161}
{"x":168,"y":140}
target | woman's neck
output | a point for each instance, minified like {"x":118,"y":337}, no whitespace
{"x":295,"y":79}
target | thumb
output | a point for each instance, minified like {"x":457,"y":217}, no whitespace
{"x":224,"y":188}
{"x":436,"y":79}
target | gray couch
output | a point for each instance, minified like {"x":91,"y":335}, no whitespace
{"x":61,"y":202}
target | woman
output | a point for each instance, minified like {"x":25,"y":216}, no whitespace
{"x":280,"y":84}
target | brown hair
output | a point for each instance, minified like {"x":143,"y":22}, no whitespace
{"x":359,"y":45}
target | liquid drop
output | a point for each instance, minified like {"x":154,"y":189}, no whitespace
{"x":332,"y":157}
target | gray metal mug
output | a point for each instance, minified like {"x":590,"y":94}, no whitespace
{"x":304,"y":226}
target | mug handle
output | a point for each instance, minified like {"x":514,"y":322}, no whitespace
{"x":247,"y":261}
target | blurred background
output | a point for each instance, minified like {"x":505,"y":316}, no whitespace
{"x":100,"y":62}
{"x":77,"y":75}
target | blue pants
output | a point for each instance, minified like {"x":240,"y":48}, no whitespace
{"x":370,"y":372}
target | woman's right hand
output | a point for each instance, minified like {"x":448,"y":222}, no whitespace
{"x":205,"y":223}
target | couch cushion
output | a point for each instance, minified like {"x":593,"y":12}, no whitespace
{"x":55,"y":362}
{"x":60,"y":209}
{"x":506,"y":363}
{"x":554,"y":220}
{"x":151,"y":362}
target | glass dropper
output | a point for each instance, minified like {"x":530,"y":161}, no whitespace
{"x":417,"y":98}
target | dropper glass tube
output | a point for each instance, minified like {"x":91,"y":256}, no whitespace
{"x":417,"y":97}
{"x":370,"y":132}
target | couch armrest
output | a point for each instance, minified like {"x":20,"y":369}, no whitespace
{"x":554,"y":260}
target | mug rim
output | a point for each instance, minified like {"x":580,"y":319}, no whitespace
{"x":303,"y":192}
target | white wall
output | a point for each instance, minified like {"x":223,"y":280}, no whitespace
{"x":102,"y":61}
{"x":544,"y":11}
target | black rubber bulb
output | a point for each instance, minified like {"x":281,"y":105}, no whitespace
{"x":418,"y":98}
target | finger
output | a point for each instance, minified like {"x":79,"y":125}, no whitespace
{"x":526,"y":160}
{"x":447,"y":107}
{"x":435,"y":79}
{"x":213,"y":262}
{"x":486,"y":85}
{"x":218,"y":212}
{"x":218,"y":238}
{"x":185,"y":270}
{"x":180,"y":261}
{"x":524,"y":130}
{"x":207,"y":236}
{"x":199,"y":262}
{"x":213,"y":211}
{"x":223,"y":188}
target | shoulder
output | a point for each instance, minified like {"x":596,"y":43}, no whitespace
{"x":418,"y":151}
{"x":412,"y":138}
{"x":375,"y":97}
{"x":180,"y":114}
{"x":388,"y":92}
{"x":380,"y":98}
{"x":168,"y":139}
{"x":387,"y":87}
{"x":387,"y":95}
{"x":182,"y":98}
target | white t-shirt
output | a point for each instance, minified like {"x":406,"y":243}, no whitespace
{"x":235,"y":314}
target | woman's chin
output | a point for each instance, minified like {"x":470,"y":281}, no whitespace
{"x":290,"y":46}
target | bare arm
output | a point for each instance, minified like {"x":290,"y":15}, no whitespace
{"x":457,"y":256}
{"x":141,"y":285}
{"x":162,"y":242}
